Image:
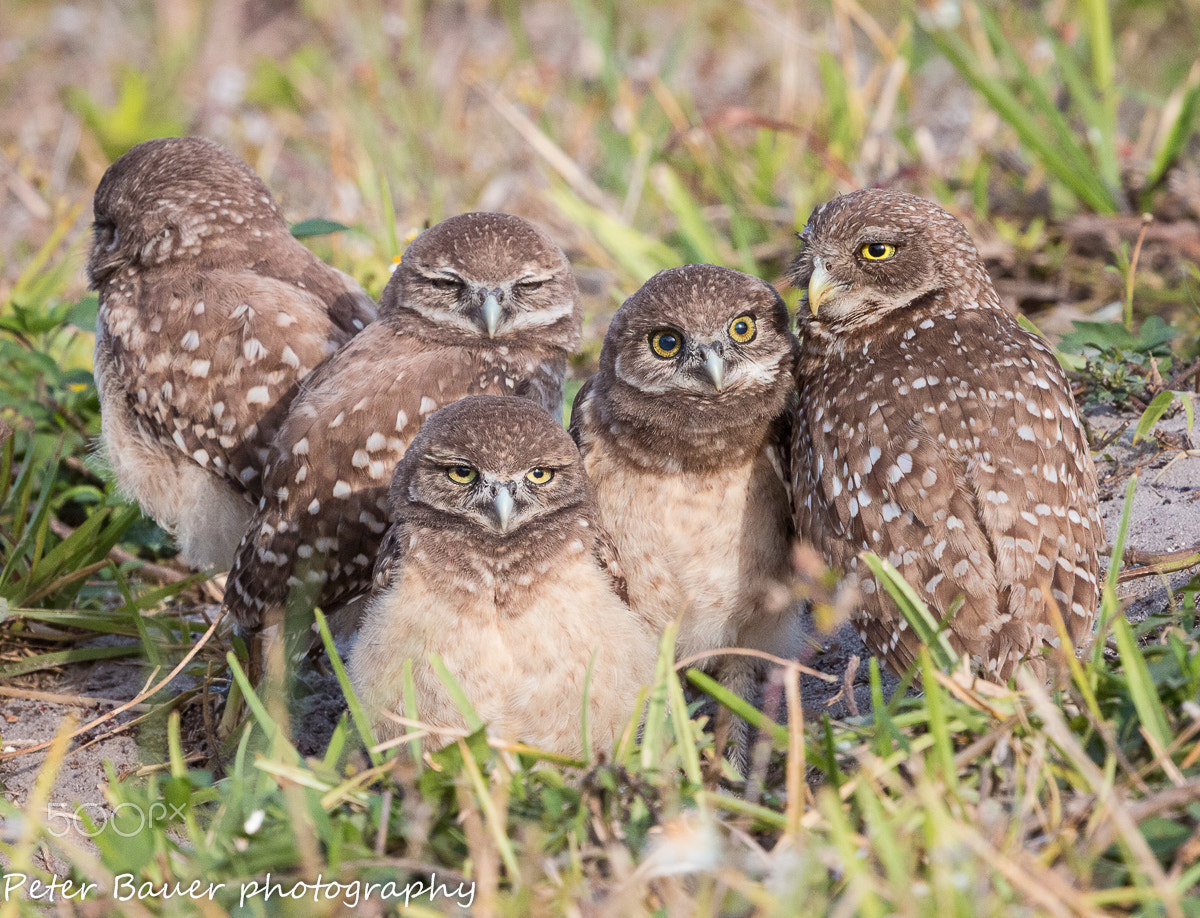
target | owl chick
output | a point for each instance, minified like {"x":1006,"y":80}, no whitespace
{"x":480,"y":304}
{"x":210,"y":315}
{"x":683,"y":432}
{"x":936,"y":432}
{"x":497,"y":563}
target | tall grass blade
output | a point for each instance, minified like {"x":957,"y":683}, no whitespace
{"x":1141,"y":685}
{"x":1088,"y":186}
{"x":915,"y":612}
{"x":362,"y":723}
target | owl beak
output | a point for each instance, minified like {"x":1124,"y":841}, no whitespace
{"x":820,"y":286}
{"x":503,"y":502}
{"x":491,"y":313}
{"x":714,"y":365}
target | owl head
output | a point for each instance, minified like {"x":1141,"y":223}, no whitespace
{"x":486,"y":277}
{"x":870,"y":252}
{"x":698,"y":351}
{"x":495,"y":465}
{"x":179,"y":197}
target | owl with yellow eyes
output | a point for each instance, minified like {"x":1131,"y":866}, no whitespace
{"x":684,"y":434}
{"x":936,"y":432}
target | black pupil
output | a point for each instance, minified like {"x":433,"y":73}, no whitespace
{"x":462,"y":471}
{"x":539,"y":473}
{"x":877,"y":249}
{"x":741,"y":327}
{"x":667,"y":342}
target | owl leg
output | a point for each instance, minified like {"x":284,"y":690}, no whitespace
{"x":739,"y":675}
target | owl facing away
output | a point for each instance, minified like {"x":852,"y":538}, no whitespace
{"x":936,"y":432}
{"x":210,"y":315}
{"x":496,"y":561}
{"x":683,"y":432}
{"x":480,"y":304}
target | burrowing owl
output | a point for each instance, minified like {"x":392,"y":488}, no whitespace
{"x":683,"y":433}
{"x":210,"y":314}
{"x":480,"y":303}
{"x":496,"y":561}
{"x":935,"y":431}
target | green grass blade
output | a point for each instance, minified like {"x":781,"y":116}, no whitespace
{"x":1110,"y":606}
{"x":265,"y":722}
{"x":362,"y":723}
{"x":1180,"y":115}
{"x":1087,"y":186}
{"x":859,"y":882}
{"x":62,"y":657}
{"x":739,"y":706}
{"x":1041,"y":94}
{"x":33,"y":536}
{"x":639,"y":255}
{"x":1154,"y":411}
{"x":411,"y":712}
{"x":935,"y":702}
{"x":693,"y":228}
{"x":915,"y":612}
{"x":884,"y":728}
{"x":656,"y":703}
{"x":584,"y":720}
{"x":457,"y":695}
{"x":685,"y":738}
{"x":1141,"y":685}
{"x":1100,"y":35}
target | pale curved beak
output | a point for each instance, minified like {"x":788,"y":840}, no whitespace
{"x":491,"y":313}
{"x":503,"y":502}
{"x":714,"y":365}
{"x":820,"y":286}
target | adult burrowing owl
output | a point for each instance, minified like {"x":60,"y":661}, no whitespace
{"x":480,"y":303}
{"x":497,"y":563}
{"x":935,"y":431}
{"x":210,"y":314}
{"x":683,"y":433}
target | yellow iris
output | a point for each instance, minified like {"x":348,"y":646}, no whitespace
{"x":742,"y":329}
{"x":461,"y":474}
{"x":877,"y":251}
{"x":539,"y":476}
{"x":666,"y":343}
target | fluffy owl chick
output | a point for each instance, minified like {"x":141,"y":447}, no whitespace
{"x":480,"y":304}
{"x":497,"y":563}
{"x":210,"y":315}
{"x":935,"y":431}
{"x":683,"y":434}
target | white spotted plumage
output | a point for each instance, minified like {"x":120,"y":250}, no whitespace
{"x":189,"y":374}
{"x":974,"y":465}
{"x":330,"y":463}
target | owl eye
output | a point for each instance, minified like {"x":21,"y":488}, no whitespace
{"x":877,"y":251}
{"x":742,"y":329}
{"x":461,"y":474}
{"x":530,"y":285}
{"x":666,"y":343}
{"x":446,"y":283}
{"x":539,"y":476}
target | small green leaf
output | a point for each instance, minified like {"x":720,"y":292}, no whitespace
{"x":83,"y":314}
{"x":317,"y":226}
{"x":1155,"y":410}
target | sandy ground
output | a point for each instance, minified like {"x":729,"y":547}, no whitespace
{"x":1165,"y":517}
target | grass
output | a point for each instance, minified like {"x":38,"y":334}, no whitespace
{"x":643,"y":139}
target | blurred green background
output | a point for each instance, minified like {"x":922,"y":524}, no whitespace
{"x":642,"y":134}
